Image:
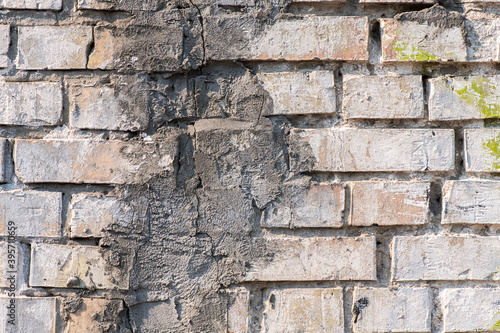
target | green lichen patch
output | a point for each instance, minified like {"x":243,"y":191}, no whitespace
{"x":492,"y":147}
{"x":481,"y":93}
{"x":405,"y":52}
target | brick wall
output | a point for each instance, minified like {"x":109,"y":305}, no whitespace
{"x":249,"y":166}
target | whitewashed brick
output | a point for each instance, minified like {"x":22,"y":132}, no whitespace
{"x":482,"y":150}
{"x":316,"y":259}
{"x":413,"y":41}
{"x":483,"y":40}
{"x":34,"y":213}
{"x":378,"y":97}
{"x":91,"y":161}
{"x":238,"y":312}
{"x":303,"y":310}
{"x":392,"y":310}
{"x":471,"y":309}
{"x":461,"y":98}
{"x":53,"y":47}
{"x":471,"y":202}
{"x":440,"y":257}
{"x":31,"y":4}
{"x":87,"y":318}
{"x":74,"y":266}
{"x":91,"y":214}
{"x":389,"y":203}
{"x":14,"y":264}
{"x":300,"y":92}
{"x":348,"y":149}
{"x":33,"y":315}
{"x":4,"y":45}
{"x":316,"y":206}
{"x":30,"y":103}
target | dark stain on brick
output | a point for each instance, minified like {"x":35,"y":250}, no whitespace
{"x":359,"y":306}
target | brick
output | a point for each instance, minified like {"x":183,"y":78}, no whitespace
{"x":91,"y":161}
{"x":303,"y":310}
{"x":316,"y":259}
{"x":440,"y":257}
{"x":349,"y":150}
{"x":482,"y":40}
{"x":4,"y":45}
{"x":33,"y":315}
{"x":30,"y":103}
{"x":482,"y":152}
{"x":121,"y":5}
{"x":470,"y":309}
{"x":74,"y":266}
{"x":304,"y":38}
{"x":463,"y":98}
{"x":14,"y":262}
{"x":86,"y":317}
{"x":314,"y":206}
{"x":118,"y":48}
{"x":91,"y":214}
{"x":34,"y":213}
{"x":471,"y":202}
{"x":389,"y":203}
{"x":413,"y":41}
{"x":119,"y":106}
{"x":156,"y":317}
{"x":379,"y":97}
{"x":238,"y":313}
{"x":37,"y":47}
{"x":392,"y":310}
{"x":32,"y":4}
{"x":236,"y":3}
{"x":395,"y":2}
{"x":301,"y":92}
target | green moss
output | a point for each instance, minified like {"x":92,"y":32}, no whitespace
{"x":406,"y":53}
{"x":496,"y":326}
{"x":492,"y":147}
{"x":480,"y":92}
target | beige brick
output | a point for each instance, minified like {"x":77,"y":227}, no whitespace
{"x":296,"y":39}
{"x":303,"y":92}
{"x":91,"y":161}
{"x":315,"y":206}
{"x":470,"y":309}
{"x":74,"y":266}
{"x":462,"y":98}
{"x":33,"y":213}
{"x":4,"y":45}
{"x":482,"y":40}
{"x":389,"y":203}
{"x":349,"y":149}
{"x":441,"y":257}
{"x":413,"y":41}
{"x":303,"y":310}
{"x":87,"y":317}
{"x":482,"y":150}
{"x":392,"y":310}
{"x":33,"y":315}
{"x":46,"y":47}
{"x":316,"y":259}
{"x":30,"y":103}
{"x":31,"y":4}
{"x":14,"y":264}
{"x":379,"y":97}
{"x":91,"y":214}
{"x":471,"y":202}
{"x":238,"y":313}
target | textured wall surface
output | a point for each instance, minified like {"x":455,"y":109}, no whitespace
{"x":249,"y":166}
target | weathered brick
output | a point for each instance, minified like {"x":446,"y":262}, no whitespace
{"x":471,"y":202}
{"x":440,"y":257}
{"x":88,"y":315}
{"x":56,"y":47}
{"x":320,"y":259}
{"x":30,"y":103}
{"x":153,"y":316}
{"x":238,"y":313}
{"x":482,"y":152}
{"x":128,"y":5}
{"x":121,"y":106}
{"x":461,"y":98}
{"x":347,"y":150}
{"x":14,"y":264}
{"x":413,"y":41}
{"x":91,"y":214}
{"x":392,"y":310}
{"x":31,"y":4}
{"x":300,"y":92}
{"x":34,"y":213}
{"x":389,"y":203}
{"x":470,"y":309}
{"x":74,"y":266}
{"x":314,"y":206}
{"x":304,"y":38}
{"x":33,"y":315}
{"x":378,"y":97}
{"x":482,"y":40}
{"x":4,"y":45}
{"x":91,"y":161}
{"x":303,"y":310}
{"x":117,"y":48}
